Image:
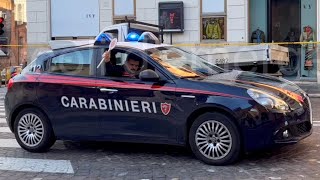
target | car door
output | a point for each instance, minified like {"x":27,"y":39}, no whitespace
{"x":67,"y":90}
{"x":133,"y":109}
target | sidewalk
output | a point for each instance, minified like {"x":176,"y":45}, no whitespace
{"x":312,"y":89}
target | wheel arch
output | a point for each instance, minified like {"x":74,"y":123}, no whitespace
{"x":209,"y":109}
{"x":22,"y":107}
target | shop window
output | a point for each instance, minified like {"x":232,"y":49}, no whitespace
{"x":123,"y":8}
{"x":213,"y":20}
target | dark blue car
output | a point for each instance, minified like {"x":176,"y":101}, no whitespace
{"x":176,"y":98}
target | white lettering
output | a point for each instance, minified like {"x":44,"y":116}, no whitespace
{"x":134,"y":106}
{"x":118,"y":105}
{"x":154,"y":107}
{"x":110,"y":105}
{"x":102,"y":104}
{"x":145,"y":105}
{"x":83,"y":103}
{"x":74,"y":102}
{"x":63,"y":101}
{"x":92,"y":104}
{"x":126,"y":104}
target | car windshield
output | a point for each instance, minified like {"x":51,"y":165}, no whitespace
{"x":183,"y":64}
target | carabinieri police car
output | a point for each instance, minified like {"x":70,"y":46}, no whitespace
{"x":174,"y":98}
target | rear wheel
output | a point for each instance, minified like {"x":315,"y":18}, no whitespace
{"x":214,"y":139}
{"x":33,"y":131}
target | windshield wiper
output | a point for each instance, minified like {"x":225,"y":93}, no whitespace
{"x":185,"y":77}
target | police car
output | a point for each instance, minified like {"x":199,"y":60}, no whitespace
{"x":176,"y":98}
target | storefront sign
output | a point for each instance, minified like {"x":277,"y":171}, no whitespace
{"x":171,"y":16}
{"x":74,"y":18}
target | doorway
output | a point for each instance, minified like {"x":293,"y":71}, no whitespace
{"x":284,"y":25}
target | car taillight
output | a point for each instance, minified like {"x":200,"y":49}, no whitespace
{"x":10,"y":83}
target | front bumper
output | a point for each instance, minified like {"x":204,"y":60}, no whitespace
{"x":293,"y":133}
{"x":297,"y":125}
{"x":271,"y":129}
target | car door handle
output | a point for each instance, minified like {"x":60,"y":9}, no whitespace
{"x":108,"y":90}
{"x":187,"y":96}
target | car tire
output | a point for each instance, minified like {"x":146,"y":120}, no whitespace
{"x":33,"y":131}
{"x":219,"y":145}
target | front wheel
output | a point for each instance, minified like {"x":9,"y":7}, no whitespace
{"x":214,"y":139}
{"x":33,"y":131}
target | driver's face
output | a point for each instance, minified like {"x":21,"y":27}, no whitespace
{"x":133,"y":65}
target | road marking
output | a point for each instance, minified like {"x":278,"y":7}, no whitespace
{"x":2,"y":114}
{"x":12,"y":143}
{"x":36,"y":165}
{"x":3,"y":120}
{"x":9,"y":143}
{"x":5,"y":130}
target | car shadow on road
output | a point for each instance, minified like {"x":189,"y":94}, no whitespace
{"x":124,"y":147}
{"x":277,"y":154}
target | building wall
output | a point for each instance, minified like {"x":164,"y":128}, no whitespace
{"x":237,"y":20}
{"x":38,"y":18}
{"x":13,"y":32}
{"x":38,"y":15}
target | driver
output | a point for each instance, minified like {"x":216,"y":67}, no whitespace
{"x":129,"y":69}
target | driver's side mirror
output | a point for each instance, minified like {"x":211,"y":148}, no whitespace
{"x":149,"y":75}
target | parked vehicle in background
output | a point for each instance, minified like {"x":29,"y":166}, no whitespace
{"x":9,"y":72}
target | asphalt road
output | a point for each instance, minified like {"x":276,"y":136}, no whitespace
{"x":90,"y":160}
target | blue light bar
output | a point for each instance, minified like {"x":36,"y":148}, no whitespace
{"x":103,"y":39}
{"x":149,"y":37}
{"x":132,"y":36}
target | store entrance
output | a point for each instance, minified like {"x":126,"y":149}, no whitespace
{"x":284,"y":25}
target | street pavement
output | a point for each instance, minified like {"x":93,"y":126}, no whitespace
{"x":313,"y":89}
{"x":92,"y":160}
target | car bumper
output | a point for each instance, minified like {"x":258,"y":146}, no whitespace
{"x":271,"y":129}
{"x":293,"y":133}
{"x":296,"y":128}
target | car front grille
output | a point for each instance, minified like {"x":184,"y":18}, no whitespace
{"x":300,"y":129}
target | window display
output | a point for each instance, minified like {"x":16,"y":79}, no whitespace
{"x":308,"y":36}
{"x":288,"y":21}
{"x":213,"y":28}
{"x":258,"y":36}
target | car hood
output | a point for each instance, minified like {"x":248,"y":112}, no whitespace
{"x":277,"y":86}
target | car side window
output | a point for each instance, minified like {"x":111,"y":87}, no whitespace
{"x":30,"y":68}
{"x":78,"y":63}
{"x":124,"y":65}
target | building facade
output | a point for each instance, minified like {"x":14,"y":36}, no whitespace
{"x":14,"y":39}
{"x":204,"y":21}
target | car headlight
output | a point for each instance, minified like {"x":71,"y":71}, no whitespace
{"x":267,"y":100}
